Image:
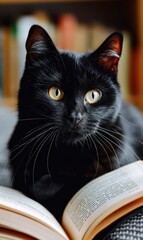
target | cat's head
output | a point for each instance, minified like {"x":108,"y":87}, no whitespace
{"x":75,"y":94}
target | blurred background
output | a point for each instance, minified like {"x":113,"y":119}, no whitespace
{"x":73,"y":25}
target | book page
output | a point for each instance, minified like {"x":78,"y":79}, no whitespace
{"x":28,"y":226}
{"x":15,"y":202}
{"x":7,"y":234}
{"x":102,"y":196}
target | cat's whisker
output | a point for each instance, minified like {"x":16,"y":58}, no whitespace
{"x":97,"y":154}
{"x":133,"y":124}
{"x":35,"y":160}
{"x":37,"y":151}
{"x":57,"y":138}
{"x":22,"y":157}
{"x":123,"y":143}
{"x":121,"y":134}
{"x":17,"y":169}
{"x":88,"y":142}
{"x":37,"y":129}
{"x":43,"y":115}
{"x":49,"y":150}
{"x":100,"y":139}
{"x":24,"y":144}
{"x":32,"y":119}
{"x":28,"y":135}
{"x":109,"y":142}
{"x":32,"y":152}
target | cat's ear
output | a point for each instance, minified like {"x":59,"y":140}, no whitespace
{"x":38,"y":41}
{"x":108,"y":54}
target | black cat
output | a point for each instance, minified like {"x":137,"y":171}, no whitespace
{"x":73,"y":125}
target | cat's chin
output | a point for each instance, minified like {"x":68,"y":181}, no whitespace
{"x":74,"y":138}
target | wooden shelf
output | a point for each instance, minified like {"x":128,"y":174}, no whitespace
{"x":29,"y":2}
{"x":44,"y":1}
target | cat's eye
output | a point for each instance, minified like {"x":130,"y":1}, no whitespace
{"x":92,"y":96}
{"x":56,"y":93}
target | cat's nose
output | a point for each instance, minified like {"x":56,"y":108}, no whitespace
{"x":74,"y":118}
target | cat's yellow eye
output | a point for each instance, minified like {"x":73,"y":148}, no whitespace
{"x":56,"y":93}
{"x":92,"y":96}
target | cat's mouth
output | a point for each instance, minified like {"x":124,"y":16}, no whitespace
{"x":73,"y":135}
{"x":74,"y":132}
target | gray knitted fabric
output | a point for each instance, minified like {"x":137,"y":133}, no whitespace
{"x":131,"y":229}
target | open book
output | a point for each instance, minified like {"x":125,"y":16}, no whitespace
{"x":92,"y":208}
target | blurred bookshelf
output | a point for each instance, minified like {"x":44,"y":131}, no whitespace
{"x":8,"y":102}
{"x":90,"y":21}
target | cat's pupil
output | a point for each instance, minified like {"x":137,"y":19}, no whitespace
{"x":57,"y":92}
{"x":93,"y":95}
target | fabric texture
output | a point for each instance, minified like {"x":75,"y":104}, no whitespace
{"x":130,"y":228}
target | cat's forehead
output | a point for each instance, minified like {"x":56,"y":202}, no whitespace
{"x":78,"y":70}
{"x":71,"y":59}
{"x":79,"y":63}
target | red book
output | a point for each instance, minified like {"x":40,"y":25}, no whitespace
{"x":66,"y":31}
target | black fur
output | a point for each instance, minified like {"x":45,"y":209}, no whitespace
{"x":58,"y":146}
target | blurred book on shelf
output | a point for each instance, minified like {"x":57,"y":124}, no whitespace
{"x":23,"y":25}
{"x":67,"y":27}
{"x":134,"y":86}
{"x":124,"y":72}
{"x":67,"y":32}
{"x":1,"y":62}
